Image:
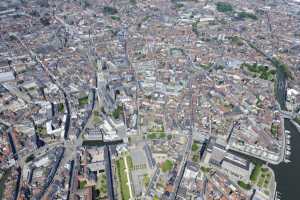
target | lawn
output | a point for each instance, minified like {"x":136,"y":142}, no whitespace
{"x":82,"y":184}
{"x":264,"y":178}
{"x":261,"y":176}
{"x":96,"y":118}
{"x":167,"y":166}
{"x":83,"y":101}
{"x":156,"y":135}
{"x":41,"y":130}
{"x":274,"y":129}
{"x":114,"y":17}
{"x":61,"y":107}
{"x":155,"y":197}
{"x":146,"y":180}
{"x":102,"y":185}
{"x":205,"y":169}
{"x":195,"y":147}
{"x":129,"y":162}
{"x":205,"y":66}
{"x":260,"y":181}
{"x":117,"y":112}
{"x":255,"y":173}
{"x":244,"y":185}
{"x":122,"y":179}
{"x":195,"y":158}
{"x":159,"y":129}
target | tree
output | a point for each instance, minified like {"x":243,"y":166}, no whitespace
{"x":224,"y":7}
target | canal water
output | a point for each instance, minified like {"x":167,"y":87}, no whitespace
{"x":288,"y":174}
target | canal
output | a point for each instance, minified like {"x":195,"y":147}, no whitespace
{"x":288,"y":174}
